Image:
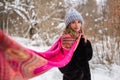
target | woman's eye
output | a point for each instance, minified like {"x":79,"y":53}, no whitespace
{"x":79,"y":22}
{"x":73,"y":22}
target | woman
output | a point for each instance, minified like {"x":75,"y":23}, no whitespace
{"x":78,"y":67}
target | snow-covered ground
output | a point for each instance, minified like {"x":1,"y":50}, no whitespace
{"x":99,"y":72}
{"x":96,"y":74}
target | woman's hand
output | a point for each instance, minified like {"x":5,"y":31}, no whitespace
{"x":84,"y":36}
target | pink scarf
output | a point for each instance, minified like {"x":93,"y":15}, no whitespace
{"x":20,"y":63}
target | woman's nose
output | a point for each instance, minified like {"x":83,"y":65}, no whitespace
{"x":76,"y":24}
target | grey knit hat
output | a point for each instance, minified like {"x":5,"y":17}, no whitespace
{"x":72,"y":15}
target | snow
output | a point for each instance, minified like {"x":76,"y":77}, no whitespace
{"x":1,"y":4}
{"x":100,"y":1}
{"x":99,"y":72}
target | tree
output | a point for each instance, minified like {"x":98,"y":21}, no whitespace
{"x":49,"y":13}
{"x":17,"y":15}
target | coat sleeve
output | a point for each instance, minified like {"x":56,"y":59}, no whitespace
{"x":88,"y":50}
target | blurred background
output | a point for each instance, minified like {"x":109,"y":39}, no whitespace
{"x":42,"y":21}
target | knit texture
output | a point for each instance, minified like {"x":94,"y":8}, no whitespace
{"x":72,"y":15}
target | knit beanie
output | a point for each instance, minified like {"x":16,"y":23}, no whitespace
{"x":72,"y":15}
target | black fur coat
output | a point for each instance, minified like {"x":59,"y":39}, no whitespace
{"x":78,"y":67}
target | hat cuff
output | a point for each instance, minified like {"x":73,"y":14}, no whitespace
{"x":72,"y":18}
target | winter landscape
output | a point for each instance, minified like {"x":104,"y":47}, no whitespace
{"x":99,"y":71}
{"x":37,"y":24}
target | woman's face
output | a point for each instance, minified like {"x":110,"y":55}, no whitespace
{"x":75,"y":25}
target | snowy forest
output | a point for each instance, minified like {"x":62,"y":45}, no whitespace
{"x":42,"y":22}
